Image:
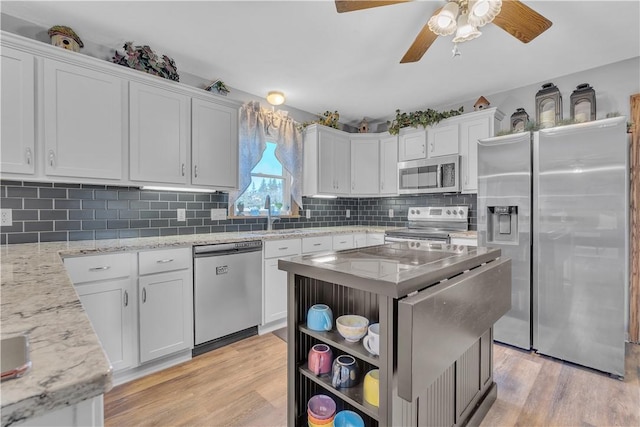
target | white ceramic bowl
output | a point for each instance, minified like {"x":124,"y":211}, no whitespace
{"x":352,"y":327}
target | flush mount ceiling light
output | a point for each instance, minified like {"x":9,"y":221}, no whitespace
{"x":275,"y":98}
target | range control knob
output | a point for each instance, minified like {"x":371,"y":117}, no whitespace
{"x":413,"y":211}
{"x":449,"y":212}
{"x":418,"y":211}
{"x":460,"y":212}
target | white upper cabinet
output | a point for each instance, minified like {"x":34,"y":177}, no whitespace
{"x":412,"y":144}
{"x":389,"y":165}
{"x":365,"y":171}
{"x":442,"y":139}
{"x":475,"y":126}
{"x":18,"y":106}
{"x":159,"y":125}
{"x":83,"y":122}
{"x":214,"y":144}
{"x":334,"y":168}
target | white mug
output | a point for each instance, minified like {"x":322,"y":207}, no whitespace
{"x":372,"y":340}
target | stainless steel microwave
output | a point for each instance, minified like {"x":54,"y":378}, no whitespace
{"x":436,"y":175}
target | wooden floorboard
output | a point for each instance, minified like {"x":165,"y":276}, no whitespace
{"x":245,"y":384}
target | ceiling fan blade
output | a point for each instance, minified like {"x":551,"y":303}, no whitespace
{"x":421,"y":44}
{"x":521,"y":21}
{"x":351,"y":5}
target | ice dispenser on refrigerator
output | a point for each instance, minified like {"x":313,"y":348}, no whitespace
{"x":502,"y":225}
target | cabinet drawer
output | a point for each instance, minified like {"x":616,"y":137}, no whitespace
{"x":281,"y":248}
{"x":99,"y":267}
{"x":316,"y":244}
{"x":343,"y":241}
{"x":164,"y":260}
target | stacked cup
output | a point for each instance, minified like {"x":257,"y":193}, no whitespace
{"x":321,"y":411}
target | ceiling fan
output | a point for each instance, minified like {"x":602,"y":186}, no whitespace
{"x":463,"y":17}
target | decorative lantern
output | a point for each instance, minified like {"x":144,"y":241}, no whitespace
{"x":519,"y":120}
{"x":65,"y":38}
{"x":583,"y":103}
{"x":548,"y":106}
{"x":481,"y":104}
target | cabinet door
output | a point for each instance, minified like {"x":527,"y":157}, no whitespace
{"x":334,"y":174}
{"x":18,"y":136}
{"x":470,"y":132}
{"x":443,"y":140}
{"x":365,"y":158}
{"x":275,"y":291}
{"x":83,"y":122}
{"x":159,"y":135}
{"x":412,"y":145}
{"x":110,"y":307}
{"x":389,"y":165}
{"x":165,"y":314}
{"x":214,"y":144}
{"x":374,"y":239}
{"x":360,"y":240}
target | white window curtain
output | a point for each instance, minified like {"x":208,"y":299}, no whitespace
{"x":257,"y":125}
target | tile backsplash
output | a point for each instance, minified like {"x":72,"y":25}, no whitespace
{"x":46,"y":212}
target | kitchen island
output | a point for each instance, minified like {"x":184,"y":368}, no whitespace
{"x":436,"y":307}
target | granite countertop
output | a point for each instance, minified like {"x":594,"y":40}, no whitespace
{"x":471,"y":234}
{"x":394,"y":270}
{"x":38,"y":298}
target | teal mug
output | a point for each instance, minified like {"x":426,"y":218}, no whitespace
{"x":320,"y":318}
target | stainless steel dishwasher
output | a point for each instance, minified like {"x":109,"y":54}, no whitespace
{"x":227,"y":293}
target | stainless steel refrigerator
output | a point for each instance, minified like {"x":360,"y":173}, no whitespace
{"x":557,"y":203}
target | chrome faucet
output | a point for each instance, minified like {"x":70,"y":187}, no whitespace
{"x":270,"y":219}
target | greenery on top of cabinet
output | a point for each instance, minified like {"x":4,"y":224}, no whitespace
{"x":420,"y":118}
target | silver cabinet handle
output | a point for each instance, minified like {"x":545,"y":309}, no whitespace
{"x":126,"y":298}
{"x":195,"y":171}
{"x":183,"y":169}
{"x":106,"y":267}
{"x":343,"y":242}
{"x":28,"y":156}
{"x":422,"y":148}
{"x":144,"y":295}
{"x":52,"y":157}
{"x":353,"y":185}
{"x":432,"y":146}
{"x":382,"y":185}
{"x":284,"y":248}
{"x":317,"y":244}
{"x":164,"y":261}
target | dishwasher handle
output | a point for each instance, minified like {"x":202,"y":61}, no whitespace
{"x":227,"y":248}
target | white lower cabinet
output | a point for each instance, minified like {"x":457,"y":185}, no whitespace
{"x":165,"y":302}
{"x":110,"y":307}
{"x":343,"y":241}
{"x":165,"y":314}
{"x":106,"y":287}
{"x":274,"y":280}
{"x":374,"y":239}
{"x":137,"y":324}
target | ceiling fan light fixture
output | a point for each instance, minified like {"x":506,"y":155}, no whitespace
{"x":275,"y":98}
{"x":465,"y":31}
{"x":481,"y":12}
{"x":444,"y":23}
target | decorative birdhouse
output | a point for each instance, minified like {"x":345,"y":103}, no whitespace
{"x":363,"y":127}
{"x":65,"y":38}
{"x":481,"y":104}
{"x":583,"y":103}
{"x":519,"y":120}
{"x":548,"y":106}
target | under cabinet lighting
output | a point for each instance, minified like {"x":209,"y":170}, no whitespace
{"x":323,"y":196}
{"x":178,"y":189}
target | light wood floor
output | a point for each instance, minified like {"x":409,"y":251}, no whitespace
{"x":244,"y":384}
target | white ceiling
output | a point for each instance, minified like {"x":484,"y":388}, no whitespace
{"x":349,"y":62}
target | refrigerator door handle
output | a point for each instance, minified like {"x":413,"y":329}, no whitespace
{"x":439,"y":177}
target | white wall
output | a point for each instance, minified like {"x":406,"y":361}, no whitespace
{"x":613,"y":83}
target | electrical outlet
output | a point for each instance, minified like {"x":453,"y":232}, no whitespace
{"x":218,"y":214}
{"x":6,"y":218}
{"x":182,"y":214}
{"x":308,"y":213}
{"x":390,"y":213}
{"x":348,"y":213}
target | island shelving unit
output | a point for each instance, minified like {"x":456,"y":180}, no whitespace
{"x":422,"y":382}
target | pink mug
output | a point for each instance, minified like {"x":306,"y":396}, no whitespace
{"x":320,"y":359}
